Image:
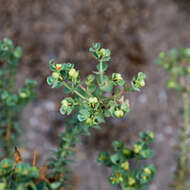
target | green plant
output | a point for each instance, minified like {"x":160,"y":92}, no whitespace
{"x":88,"y":105}
{"x":177,"y":63}
{"x":11,"y":103}
{"x":130,"y":177}
{"x":100,"y":96}
{"x":18,"y":175}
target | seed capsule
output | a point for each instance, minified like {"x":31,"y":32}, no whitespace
{"x":119,"y":113}
{"x":131,"y":181}
{"x":55,"y":75}
{"x":147,"y":171}
{"x":73,"y":73}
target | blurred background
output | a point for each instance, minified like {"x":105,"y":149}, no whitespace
{"x":135,"y":31}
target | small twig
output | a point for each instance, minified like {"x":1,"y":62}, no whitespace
{"x":34,"y":158}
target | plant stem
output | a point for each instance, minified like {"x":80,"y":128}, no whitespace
{"x":8,"y":147}
{"x":101,"y":72}
{"x":183,"y":153}
{"x":75,"y":91}
{"x":9,"y":125}
{"x":135,"y":166}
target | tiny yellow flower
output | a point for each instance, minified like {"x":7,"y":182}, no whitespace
{"x":119,"y":113}
{"x":137,"y":148}
{"x":143,"y":177}
{"x":113,"y":180}
{"x":188,"y":69}
{"x":65,"y":103}
{"x":89,"y":121}
{"x":101,"y":157}
{"x":25,"y":172}
{"x":125,"y":165}
{"x":93,"y":100}
{"x":147,"y":171}
{"x":142,"y":83}
{"x":22,"y":95}
{"x":103,"y":52}
{"x":57,"y":67}
{"x":4,"y":165}
{"x":120,"y":179}
{"x":55,"y":75}
{"x":151,"y":135}
{"x":73,"y":73}
{"x":131,"y":181}
{"x":171,"y":84}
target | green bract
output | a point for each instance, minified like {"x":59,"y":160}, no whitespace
{"x":117,"y":79}
{"x":138,"y":81}
{"x":12,"y":102}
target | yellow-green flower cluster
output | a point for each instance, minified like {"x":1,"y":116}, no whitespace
{"x":177,"y":63}
{"x":124,"y":173}
{"x":138,"y":81}
{"x":117,"y":79}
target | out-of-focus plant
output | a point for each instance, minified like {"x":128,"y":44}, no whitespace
{"x":177,"y":63}
{"x":11,"y":102}
{"x":19,"y":175}
{"x":128,"y":176}
{"x":98,"y":97}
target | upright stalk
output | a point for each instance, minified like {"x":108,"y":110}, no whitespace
{"x":8,"y":143}
{"x":101,"y":72}
{"x":184,"y":138}
{"x":12,"y":101}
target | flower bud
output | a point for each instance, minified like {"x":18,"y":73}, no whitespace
{"x":55,"y":75}
{"x":137,"y":148}
{"x":103,"y":52}
{"x":126,"y":152}
{"x":73,"y":73}
{"x":119,"y":113}
{"x":171,"y":84}
{"x":151,"y":134}
{"x":143,"y":177}
{"x":117,"y":79}
{"x":101,"y":157}
{"x":142,"y":83}
{"x":22,"y":94}
{"x":147,"y":171}
{"x":188,"y":69}
{"x":65,"y":103}
{"x":120,"y":179}
{"x":125,"y":165}
{"x":113,"y":180}
{"x":89,"y":121}
{"x":92,"y":101}
{"x":117,"y":76}
{"x":162,"y":55}
{"x":131,"y":181}
{"x":58,"y":66}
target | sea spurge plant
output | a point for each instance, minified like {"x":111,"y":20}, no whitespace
{"x":177,"y":63}
{"x":90,"y":101}
{"x":19,"y":175}
{"x":12,"y":101}
{"x":126,"y":169}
